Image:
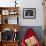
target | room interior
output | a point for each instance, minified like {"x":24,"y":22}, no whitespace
{"x":17,"y":16}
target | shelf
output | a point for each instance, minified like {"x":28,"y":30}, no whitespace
{"x":10,"y":26}
{"x":9,"y":20}
{"x":6,"y":12}
{"x":9,"y":10}
{"x":11,"y":41}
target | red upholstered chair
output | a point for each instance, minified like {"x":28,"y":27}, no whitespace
{"x":29,"y":33}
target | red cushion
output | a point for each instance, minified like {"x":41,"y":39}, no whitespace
{"x":29,"y":33}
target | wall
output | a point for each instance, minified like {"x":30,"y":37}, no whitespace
{"x":7,"y":3}
{"x":27,"y":4}
{"x":39,"y":13}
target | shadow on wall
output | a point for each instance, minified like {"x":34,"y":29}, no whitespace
{"x":37,"y":29}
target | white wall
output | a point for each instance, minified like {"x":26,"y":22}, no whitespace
{"x":39,"y":13}
{"x":27,"y":4}
{"x":7,"y":3}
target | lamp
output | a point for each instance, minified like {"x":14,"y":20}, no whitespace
{"x":15,"y":30}
{"x":15,"y":3}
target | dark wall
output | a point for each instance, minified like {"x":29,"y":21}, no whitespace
{"x":37,"y":29}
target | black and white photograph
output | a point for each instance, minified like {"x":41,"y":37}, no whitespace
{"x":29,"y":13}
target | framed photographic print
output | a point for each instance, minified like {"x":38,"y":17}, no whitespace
{"x":5,"y":12}
{"x":29,"y":13}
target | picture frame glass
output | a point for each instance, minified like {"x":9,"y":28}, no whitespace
{"x":29,"y":13}
{"x":5,"y":12}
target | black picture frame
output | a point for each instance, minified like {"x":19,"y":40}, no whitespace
{"x":29,"y":13}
